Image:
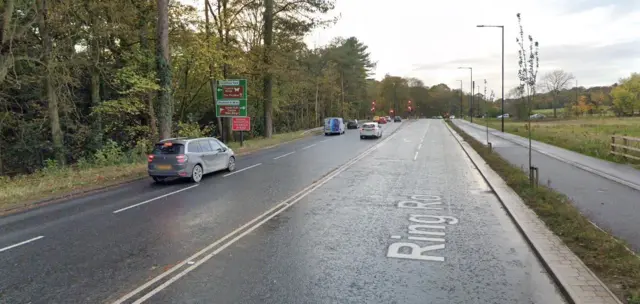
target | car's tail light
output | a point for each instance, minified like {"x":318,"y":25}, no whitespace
{"x":150,"y":158}
{"x":181,"y":158}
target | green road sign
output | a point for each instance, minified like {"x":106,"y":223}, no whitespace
{"x":231,"y":108}
{"x":231,"y":98}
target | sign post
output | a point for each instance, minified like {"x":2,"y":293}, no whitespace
{"x":231,"y":101}
{"x":231,"y":98}
{"x":241,"y":124}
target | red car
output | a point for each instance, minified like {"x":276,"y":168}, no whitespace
{"x":382,"y":120}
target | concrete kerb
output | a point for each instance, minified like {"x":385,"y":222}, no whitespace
{"x":562,"y":159}
{"x":575,"y":280}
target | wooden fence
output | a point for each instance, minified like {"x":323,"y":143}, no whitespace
{"x":625,"y":146}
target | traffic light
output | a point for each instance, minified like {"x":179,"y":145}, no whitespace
{"x":409,"y":108}
{"x":373,"y":106}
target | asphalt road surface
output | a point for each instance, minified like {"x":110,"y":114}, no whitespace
{"x":610,"y":205}
{"x":339,"y":220}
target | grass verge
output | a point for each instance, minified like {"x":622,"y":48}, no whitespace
{"x":590,"y":136}
{"x":26,"y":191}
{"x":607,"y":256}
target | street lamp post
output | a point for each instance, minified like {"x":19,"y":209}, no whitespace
{"x":461,"y":97}
{"x":471,"y":84}
{"x":501,"y":27}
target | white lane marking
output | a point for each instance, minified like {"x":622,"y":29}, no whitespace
{"x":283,"y":205}
{"x":243,"y":169}
{"x":415,"y":156}
{"x":155,"y":198}
{"x":283,"y":155}
{"x":21,"y":243}
{"x":419,"y":146}
{"x":324,"y":140}
{"x":307,"y":147}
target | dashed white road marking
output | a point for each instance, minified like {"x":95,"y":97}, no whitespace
{"x":243,"y":169}
{"x":419,"y":146}
{"x":155,"y":198}
{"x":21,"y":243}
{"x":240,"y":232}
{"x":415,"y":156}
{"x":283,"y":155}
{"x":307,"y":147}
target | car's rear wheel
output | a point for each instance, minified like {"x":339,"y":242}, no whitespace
{"x":232,"y":164}
{"x":196,"y":174}
{"x":361,"y":137}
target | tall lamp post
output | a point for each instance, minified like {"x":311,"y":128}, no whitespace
{"x":461,"y":97}
{"x":501,"y":27}
{"x":471,"y":85}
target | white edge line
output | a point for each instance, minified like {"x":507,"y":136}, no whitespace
{"x":309,"y":146}
{"x":153,"y":199}
{"x":21,"y":243}
{"x":283,"y":155}
{"x":285,"y":202}
{"x":243,"y":169}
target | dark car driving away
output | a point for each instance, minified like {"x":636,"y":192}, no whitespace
{"x":352,"y":124}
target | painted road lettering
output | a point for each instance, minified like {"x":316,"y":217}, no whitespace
{"x":427,"y":228}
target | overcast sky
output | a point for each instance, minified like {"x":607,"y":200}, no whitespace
{"x":596,"y":40}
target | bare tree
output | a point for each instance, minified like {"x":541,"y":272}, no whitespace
{"x":554,"y":82}
{"x":529,"y":61}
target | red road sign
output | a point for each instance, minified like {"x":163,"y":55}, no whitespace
{"x":241,"y":124}
{"x":232,"y":92}
{"x":229,"y":110}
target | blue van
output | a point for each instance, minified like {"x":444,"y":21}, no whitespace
{"x":333,"y":125}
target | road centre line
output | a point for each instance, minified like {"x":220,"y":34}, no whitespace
{"x":283,"y":155}
{"x":262,"y":218}
{"x":21,"y":243}
{"x":309,"y":146}
{"x":419,"y":146}
{"x":415,"y":156}
{"x":154,"y":199}
{"x":243,"y":169}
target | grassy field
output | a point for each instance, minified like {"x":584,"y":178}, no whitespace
{"x":607,"y":256}
{"x":590,"y":136}
{"x":25,"y":191}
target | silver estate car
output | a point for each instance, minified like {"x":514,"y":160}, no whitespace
{"x":189,"y":158}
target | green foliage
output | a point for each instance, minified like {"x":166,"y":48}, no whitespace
{"x":193,"y":130}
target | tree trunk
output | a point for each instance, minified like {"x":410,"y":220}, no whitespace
{"x":163,"y":59}
{"x":316,"y":109}
{"x":148,"y":98}
{"x":212,"y":79}
{"x":342,"y":94}
{"x":96,"y":119}
{"x":50,"y":90}
{"x":554,"y":103}
{"x":268,"y":80}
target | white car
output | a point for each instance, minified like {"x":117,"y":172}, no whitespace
{"x":370,"y":129}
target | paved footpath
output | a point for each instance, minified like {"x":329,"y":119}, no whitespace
{"x":610,"y":202}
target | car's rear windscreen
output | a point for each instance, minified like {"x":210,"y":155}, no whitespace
{"x":168,"y":149}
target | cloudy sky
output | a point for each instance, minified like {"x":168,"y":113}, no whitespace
{"x":596,"y":40}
